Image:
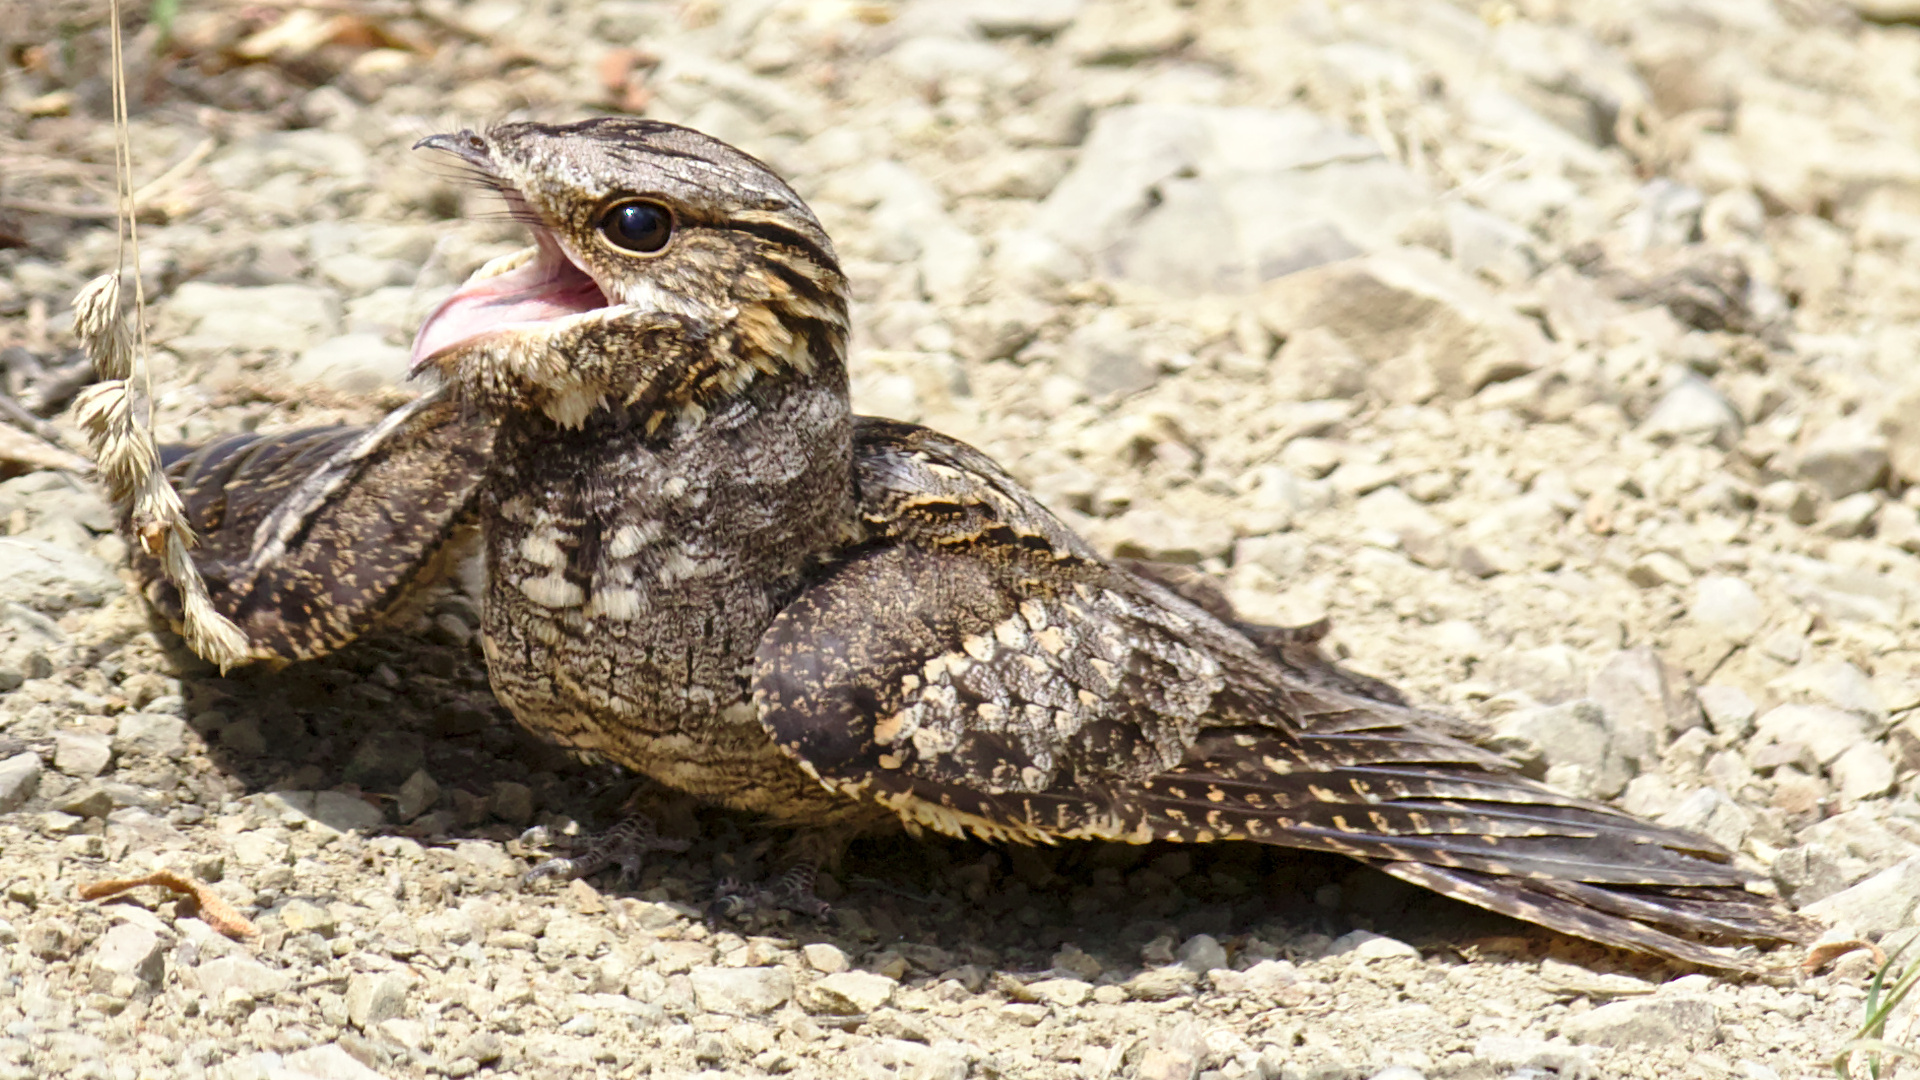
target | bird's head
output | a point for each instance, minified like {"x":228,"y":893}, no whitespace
{"x":669,"y":272}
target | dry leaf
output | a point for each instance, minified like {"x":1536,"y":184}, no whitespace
{"x":1827,"y":952}
{"x":217,"y":912}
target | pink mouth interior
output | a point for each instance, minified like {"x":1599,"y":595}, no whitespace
{"x":547,"y":286}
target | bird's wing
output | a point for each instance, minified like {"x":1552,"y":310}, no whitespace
{"x":310,"y":538}
{"x":975,"y":668}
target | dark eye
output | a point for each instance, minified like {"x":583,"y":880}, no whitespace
{"x":644,"y":227}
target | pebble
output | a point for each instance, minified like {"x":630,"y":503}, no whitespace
{"x":1845,"y":458}
{"x":824,"y":958}
{"x":19,"y":780}
{"x":1694,"y":410}
{"x":82,"y":754}
{"x":751,"y":991}
{"x":1876,"y":906}
{"x":851,"y":992}
{"x":129,"y":951}
{"x":1687,"y":1021}
{"x":52,"y":579}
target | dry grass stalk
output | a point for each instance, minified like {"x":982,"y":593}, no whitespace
{"x":121,"y":437}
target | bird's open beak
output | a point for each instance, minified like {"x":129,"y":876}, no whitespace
{"x":511,"y":294}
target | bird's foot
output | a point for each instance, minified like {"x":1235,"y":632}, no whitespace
{"x":626,"y":845}
{"x":791,"y":891}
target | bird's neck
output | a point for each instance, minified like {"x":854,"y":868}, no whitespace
{"x":758,"y":492}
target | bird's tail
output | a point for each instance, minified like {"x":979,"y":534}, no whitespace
{"x":1444,"y":815}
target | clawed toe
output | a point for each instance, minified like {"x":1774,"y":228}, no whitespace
{"x":792,"y":891}
{"x":626,"y":845}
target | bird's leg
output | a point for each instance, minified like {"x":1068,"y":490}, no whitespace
{"x":805,"y":854}
{"x":625,"y":845}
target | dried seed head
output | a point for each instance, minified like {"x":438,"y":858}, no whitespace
{"x":102,"y":332}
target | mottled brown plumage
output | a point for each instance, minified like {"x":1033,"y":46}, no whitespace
{"x":701,"y":565}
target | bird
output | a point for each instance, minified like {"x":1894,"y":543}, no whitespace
{"x":702,"y":565}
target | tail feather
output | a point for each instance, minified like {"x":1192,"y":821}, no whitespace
{"x":1421,"y":807}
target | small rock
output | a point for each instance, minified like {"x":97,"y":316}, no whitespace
{"x":484,"y":1047}
{"x":87,"y":801}
{"x":851,"y":993}
{"x":745,"y":991}
{"x":1728,"y":709}
{"x":1879,"y":905}
{"x":1687,"y":1021}
{"x":288,"y":318}
{"x":1201,"y":953}
{"x":1065,"y":993}
{"x":1728,"y":607}
{"x":147,"y":734}
{"x":129,"y":950}
{"x":52,"y":579}
{"x":1175,"y":1053}
{"x":1825,"y":732}
{"x":19,"y":780}
{"x":1076,"y":962}
{"x":1657,"y":568}
{"x":353,"y":364}
{"x":1108,"y":357}
{"x":385,"y":759}
{"x":416,"y":796}
{"x":83,"y":754}
{"x":219,"y":977}
{"x":1862,"y":771}
{"x":304,"y":916}
{"x":328,"y":1062}
{"x":1712,"y":814}
{"x":1423,"y":327}
{"x":374,"y":997}
{"x":1694,"y":411}
{"x":824,"y":958}
{"x":1807,"y":873}
{"x":511,"y":802}
{"x":1847,"y":457}
{"x":1161,"y":983}
{"x":1643,"y":699}
{"x":1364,"y":945}
{"x":1849,"y":516}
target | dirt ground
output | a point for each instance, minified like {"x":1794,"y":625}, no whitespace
{"x":1561,"y":353}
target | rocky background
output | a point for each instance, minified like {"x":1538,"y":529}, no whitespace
{"x":1563,"y":353}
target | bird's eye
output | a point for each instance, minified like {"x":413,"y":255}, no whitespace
{"x":643,"y":227}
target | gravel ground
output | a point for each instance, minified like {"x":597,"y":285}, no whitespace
{"x":1562,"y":353}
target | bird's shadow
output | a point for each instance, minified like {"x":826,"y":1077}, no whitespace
{"x":366,"y":718}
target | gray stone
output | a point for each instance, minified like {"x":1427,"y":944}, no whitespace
{"x":1825,"y":732}
{"x":824,"y":957}
{"x":1834,"y":682}
{"x":1693,"y":410}
{"x":374,"y":997}
{"x":52,"y":579}
{"x":217,"y":977}
{"x":146,"y":734}
{"x":1108,"y":358}
{"x":19,"y":780}
{"x":1709,"y":812}
{"x":1728,"y":709}
{"x":1806,"y":873}
{"x":511,"y":802}
{"x":86,"y":801}
{"x":1728,"y":607}
{"x":1686,"y":1021}
{"x":1846,"y":457}
{"x":357,"y":363}
{"x":385,"y":759}
{"x":1424,"y":328}
{"x":416,"y":796}
{"x":1366,"y":945}
{"x":335,"y":811}
{"x":1862,"y":771}
{"x":307,"y":917}
{"x":1201,"y":953}
{"x":83,"y":754}
{"x":1161,"y":983}
{"x":1065,"y":993}
{"x":1849,"y":516}
{"x":850,"y":993}
{"x":1317,"y":364}
{"x":1571,"y":742}
{"x":1885,"y":902}
{"x":1644,"y":701}
{"x":748,"y":991}
{"x":327,"y":1062}
{"x":129,"y":951}
{"x":1180,"y":198}
{"x":207,"y":318}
